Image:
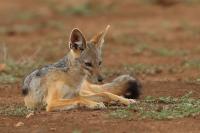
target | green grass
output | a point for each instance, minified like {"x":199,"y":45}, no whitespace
{"x":83,"y":9}
{"x":144,"y":68}
{"x":169,"y":52}
{"x":14,"y":110}
{"x":121,"y":114}
{"x":158,"y":1}
{"x":8,"y":78}
{"x":15,"y":71}
{"x":23,"y":15}
{"x":140,"y":46}
{"x":191,"y":1}
{"x":52,"y":24}
{"x":161,"y":108}
{"x":191,"y":63}
{"x":125,"y":39}
{"x":140,"y":68}
{"x":26,"y":29}
{"x":192,"y":80}
{"x":186,"y":26}
{"x":18,"y":29}
{"x":166,"y":24}
{"x":76,"y":131}
{"x":128,"y":23}
{"x":87,"y":8}
{"x":26,"y":15}
{"x":161,"y":51}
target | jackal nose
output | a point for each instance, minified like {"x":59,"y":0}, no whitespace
{"x":100,"y":78}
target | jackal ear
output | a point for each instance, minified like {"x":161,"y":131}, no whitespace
{"x":98,"y":39}
{"x":77,"y":40}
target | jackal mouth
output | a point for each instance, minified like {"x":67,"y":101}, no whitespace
{"x":95,"y":79}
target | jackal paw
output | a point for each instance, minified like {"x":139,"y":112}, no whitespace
{"x":101,"y":105}
{"x":130,"y":101}
{"x":97,"y":106}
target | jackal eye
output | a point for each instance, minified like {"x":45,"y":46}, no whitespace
{"x":100,"y":63}
{"x":88,"y":64}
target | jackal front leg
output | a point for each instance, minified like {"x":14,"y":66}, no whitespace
{"x":107,"y":97}
{"x":66,"y":104}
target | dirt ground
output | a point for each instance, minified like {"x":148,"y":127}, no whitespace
{"x":162,"y":38}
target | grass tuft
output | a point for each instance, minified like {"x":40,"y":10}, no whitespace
{"x":14,"y":110}
{"x":121,"y":114}
{"x":147,"y":69}
{"x":168,"y":52}
{"x":192,"y":63}
{"x":15,"y":71}
{"x":76,"y":131}
{"x":87,"y":8}
{"x":162,"y":108}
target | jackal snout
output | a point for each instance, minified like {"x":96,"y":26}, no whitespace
{"x":94,"y":72}
{"x":97,"y":77}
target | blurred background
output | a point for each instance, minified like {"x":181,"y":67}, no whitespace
{"x":157,"y":40}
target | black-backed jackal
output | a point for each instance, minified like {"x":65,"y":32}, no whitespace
{"x":66,"y":83}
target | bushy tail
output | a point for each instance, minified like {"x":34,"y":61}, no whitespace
{"x":133,"y":89}
{"x":26,"y":83}
{"x":24,"y":91}
{"x":25,"y":87}
{"x":124,"y":85}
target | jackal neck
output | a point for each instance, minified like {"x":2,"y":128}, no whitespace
{"x":72,"y":58}
{"x":74,"y":65}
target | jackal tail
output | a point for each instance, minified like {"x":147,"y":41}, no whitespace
{"x":125,"y":86}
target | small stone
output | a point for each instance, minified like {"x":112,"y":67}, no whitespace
{"x":19,"y":124}
{"x":29,"y":115}
{"x":53,"y":129}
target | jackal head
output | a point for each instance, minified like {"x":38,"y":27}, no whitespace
{"x":88,"y":53}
